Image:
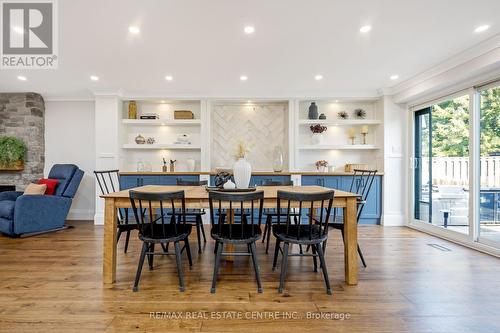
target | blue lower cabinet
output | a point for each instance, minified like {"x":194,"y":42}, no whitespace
{"x":131,"y":181}
{"x":172,"y":180}
{"x":258,"y":180}
{"x":372,"y":211}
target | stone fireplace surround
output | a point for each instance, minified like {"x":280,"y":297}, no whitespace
{"x":22,"y":116}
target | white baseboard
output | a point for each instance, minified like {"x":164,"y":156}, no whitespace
{"x":98,"y":218}
{"x":393,"y":220}
{"x":80,"y":214}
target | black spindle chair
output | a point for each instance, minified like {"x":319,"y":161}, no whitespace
{"x":244,"y":231}
{"x":195,"y":215}
{"x":109,"y":181}
{"x":271,"y":214}
{"x":313,"y":234}
{"x":361,"y":184}
{"x":165,"y":228}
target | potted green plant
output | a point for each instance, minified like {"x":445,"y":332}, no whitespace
{"x":12,"y":152}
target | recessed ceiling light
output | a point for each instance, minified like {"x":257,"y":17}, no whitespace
{"x":318,"y":77}
{"x":336,"y":101}
{"x":94,"y":77}
{"x":482,"y":28}
{"x":21,"y":78}
{"x":249,"y":30}
{"x":134,"y":30}
{"x":18,"y":30}
{"x":365,"y":28}
{"x":394,"y":77}
{"x":169,"y":77}
{"x":243,"y":77}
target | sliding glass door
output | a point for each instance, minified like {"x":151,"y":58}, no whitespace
{"x":441,"y":165}
{"x":489,"y":211}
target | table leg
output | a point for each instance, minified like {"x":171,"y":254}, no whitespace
{"x":109,"y":244}
{"x":230,"y":247}
{"x":351,"y":242}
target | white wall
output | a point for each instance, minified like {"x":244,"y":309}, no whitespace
{"x":395,"y":185}
{"x":70,"y":138}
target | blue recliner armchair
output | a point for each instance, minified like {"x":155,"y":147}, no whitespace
{"x":25,"y":214}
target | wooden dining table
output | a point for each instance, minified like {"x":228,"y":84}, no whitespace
{"x":197,"y":197}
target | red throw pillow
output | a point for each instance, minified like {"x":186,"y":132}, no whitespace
{"x":51,"y":185}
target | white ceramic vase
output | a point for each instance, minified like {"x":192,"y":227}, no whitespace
{"x":242,"y":171}
{"x":317,"y":138}
{"x":190,"y":164}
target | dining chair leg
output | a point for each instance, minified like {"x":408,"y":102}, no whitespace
{"x":164,"y":247}
{"x":118,"y":235}
{"x":256,"y":266}
{"x":284,"y":264}
{"x":151,"y":256}
{"x":179,"y":265}
{"x":324,"y":269}
{"x":216,"y":266}
{"x":313,"y":247}
{"x":202,"y":228}
{"x":188,"y":252}
{"x":359,"y":250}
{"x":198,"y":235}
{"x":268,"y":236}
{"x":216,"y":247}
{"x":126,"y":241}
{"x":266,"y":228}
{"x":276,"y":252}
{"x":145,"y":247}
{"x":361,"y":256}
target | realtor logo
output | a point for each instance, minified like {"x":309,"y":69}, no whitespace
{"x":29,"y":34}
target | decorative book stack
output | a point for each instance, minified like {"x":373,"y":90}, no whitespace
{"x":183,"y":114}
{"x":150,"y":116}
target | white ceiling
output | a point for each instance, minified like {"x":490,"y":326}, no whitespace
{"x":203,"y":46}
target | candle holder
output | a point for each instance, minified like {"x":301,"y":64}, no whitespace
{"x":351,"y":133}
{"x":364,"y":132}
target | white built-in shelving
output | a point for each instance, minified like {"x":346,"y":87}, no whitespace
{"x":161,"y":122}
{"x":166,"y":131}
{"x":161,"y":146}
{"x":336,"y":147}
{"x":340,"y":122}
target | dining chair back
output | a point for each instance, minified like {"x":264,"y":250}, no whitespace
{"x":158,"y":226}
{"x":314,"y":233}
{"x":361,"y":184}
{"x":109,"y":182}
{"x":270,"y":213}
{"x":194,"y":215}
{"x":230,"y":224}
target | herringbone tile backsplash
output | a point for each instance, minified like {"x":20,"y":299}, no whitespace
{"x":262,"y":126}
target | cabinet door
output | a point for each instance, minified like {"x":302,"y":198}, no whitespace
{"x":127,"y":182}
{"x":150,"y":180}
{"x":313,"y":180}
{"x":332,"y":182}
{"x":372,"y":209}
{"x":172,"y":179}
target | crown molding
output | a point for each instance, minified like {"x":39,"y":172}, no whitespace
{"x":479,"y":55}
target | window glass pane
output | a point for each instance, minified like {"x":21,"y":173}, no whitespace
{"x":450,"y":164}
{"x":490,"y":165}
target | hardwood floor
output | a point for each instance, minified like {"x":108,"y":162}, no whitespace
{"x":52,"y":283}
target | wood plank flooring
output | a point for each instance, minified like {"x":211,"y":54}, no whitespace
{"x":52,"y":283}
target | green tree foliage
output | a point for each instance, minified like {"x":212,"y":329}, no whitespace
{"x":490,"y":121}
{"x":450,"y":128}
{"x":450,"y":125}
